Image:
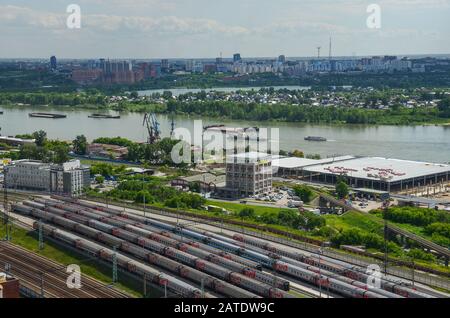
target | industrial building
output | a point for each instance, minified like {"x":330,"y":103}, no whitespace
{"x":247,"y":174}
{"x":208,"y":182}
{"x":15,"y":142}
{"x":288,"y":167}
{"x":379,"y":173}
{"x":68,"y":178}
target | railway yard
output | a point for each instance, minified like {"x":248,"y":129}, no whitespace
{"x":184,"y":258}
{"x":41,"y":277}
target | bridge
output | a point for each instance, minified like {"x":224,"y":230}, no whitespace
{"x":428,"y":245}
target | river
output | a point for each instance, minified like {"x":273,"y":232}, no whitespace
{"x":424,"y":143}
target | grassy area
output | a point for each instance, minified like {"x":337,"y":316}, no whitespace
{"x":354,"y":220}
{"x":60,"y":255}
{"x":237,"y":207}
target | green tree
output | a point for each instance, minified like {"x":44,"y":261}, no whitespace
{"x":80,"y":145}
{"x":298,"y":153}
{"x":60,"y":154}
{"x":342,"y":189}
{"x":247,"y":213}
{"x":287,"y":217}
{"x":444,"y":107}
{"x":100,"y":179}
{"x":40,"y":137}
{"x":135,"y":153}
{"x":304,"y":192}
{"x":195,"y":187}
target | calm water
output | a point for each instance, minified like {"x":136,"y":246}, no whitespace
{"x":426,"y":143}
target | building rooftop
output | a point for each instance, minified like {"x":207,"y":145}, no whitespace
{"x":376,"y":168}
{"x":249,"y":156}
{"x":206,"y":178}
{"x":293,"y":162}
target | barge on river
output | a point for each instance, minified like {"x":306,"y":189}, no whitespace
{"x":47,"y":115}
{"x":315,"y":138}
{"x":103,"y":116}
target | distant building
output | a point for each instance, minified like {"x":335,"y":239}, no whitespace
{"x":165,"y":65}
{"x":282,"y":59}
{"x":15,"y":142}
{"x":209,"y":68}
{"x":189,"y":66}
{"x":86,"y":76}
{"x":53,"y":63}
{"x":208,"y":182}
{"x":107,"y":151}
{"x":68,"y":178}
{"x":237,"y":58}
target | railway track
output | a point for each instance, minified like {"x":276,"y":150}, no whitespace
{"x":427,"y":279}
{"x":47,"y":278}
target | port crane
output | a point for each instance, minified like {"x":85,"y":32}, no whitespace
{"x":152,"y":125}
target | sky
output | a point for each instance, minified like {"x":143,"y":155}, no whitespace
{"x":206,"y":28}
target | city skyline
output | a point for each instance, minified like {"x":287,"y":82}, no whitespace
{"x":205,"y":29}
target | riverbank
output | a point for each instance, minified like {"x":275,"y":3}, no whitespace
{"x":326,"y":116}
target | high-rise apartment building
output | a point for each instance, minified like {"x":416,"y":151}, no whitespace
{"x":53,"y":63}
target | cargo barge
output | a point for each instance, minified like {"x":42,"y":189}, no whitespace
{"x":315,"y":138}
{"x":102,"y":116}
{"x":47,"y":115}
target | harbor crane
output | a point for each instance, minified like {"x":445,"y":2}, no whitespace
{"x":152,"y":125}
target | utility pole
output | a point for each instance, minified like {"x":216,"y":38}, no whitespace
{"x":386,"y":207}
{"x":320,"y":273}
{"x":145,"y":285}
{"x":172,"y":130}
{"x":114,"y":261}
{"x":6,"y":207}
{"x":203,"y":288}
{"x":143,"y":191}
{"x":42,"y":284}
{"x":165,"y":289}
{"x":41,"y":236}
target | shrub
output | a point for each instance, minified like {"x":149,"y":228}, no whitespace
{"x":247,"y":213}
{"x":304,"y":192}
